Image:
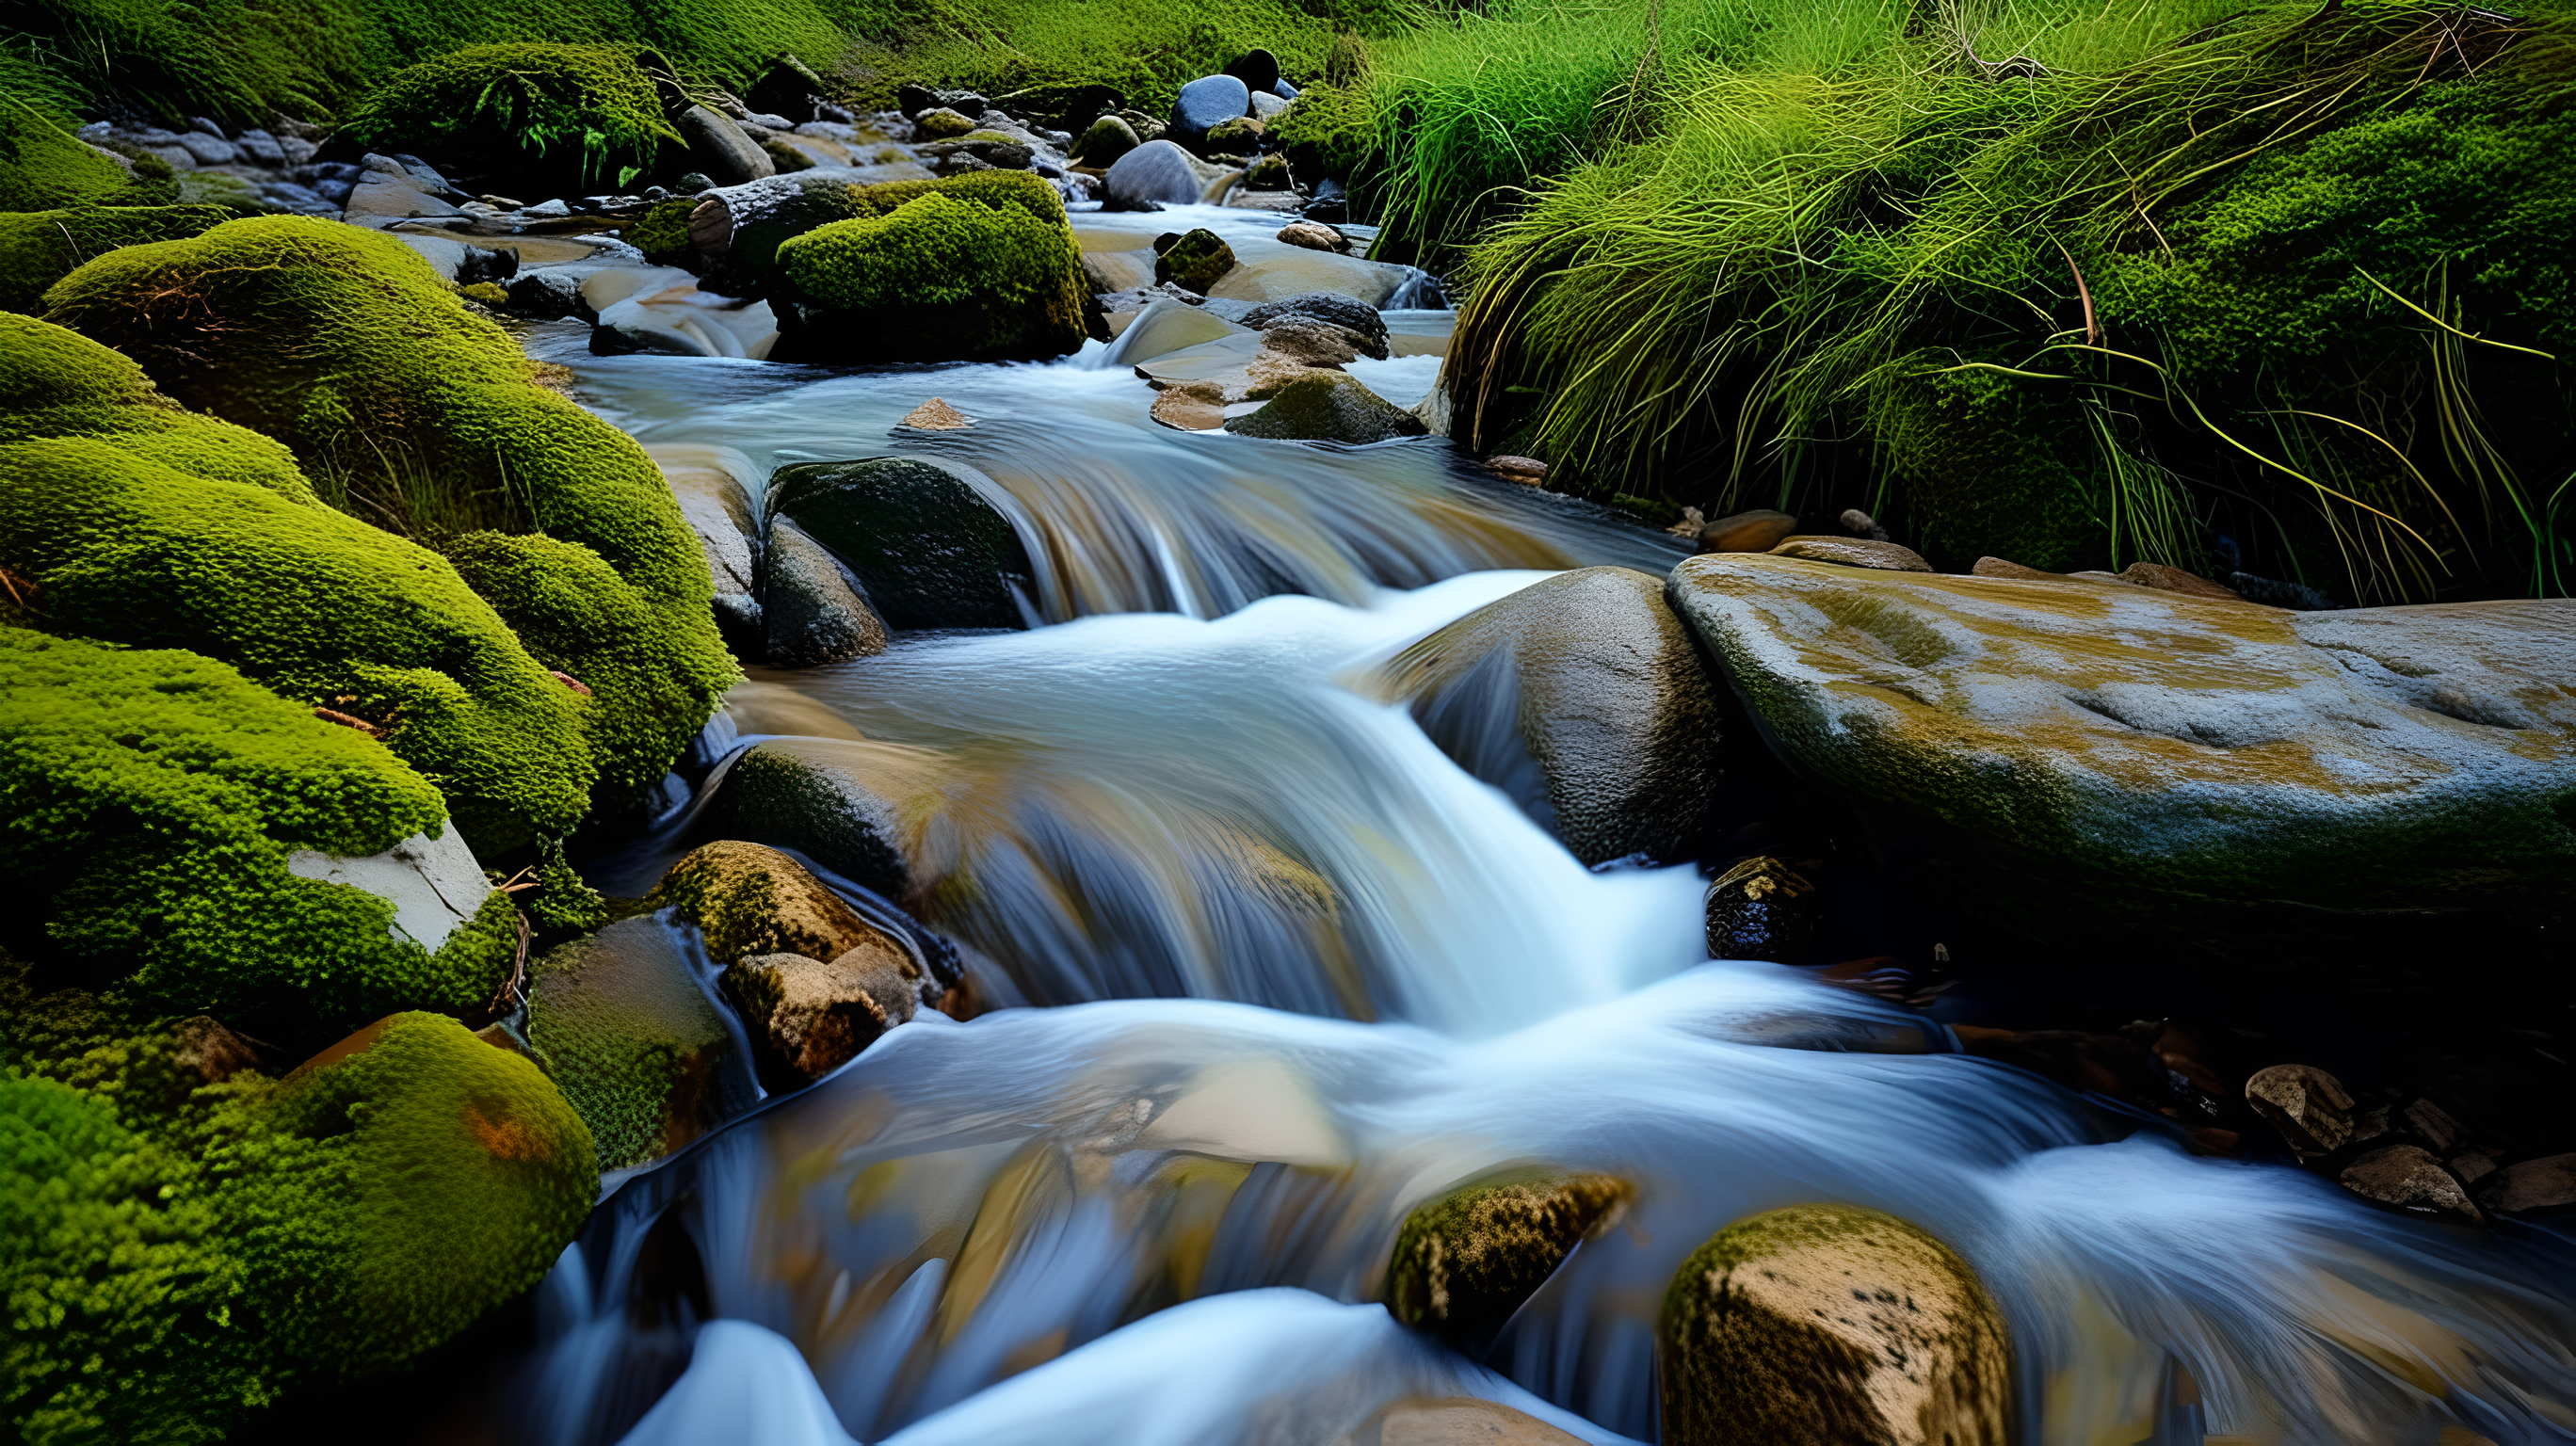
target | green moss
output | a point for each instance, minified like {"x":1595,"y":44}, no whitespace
{"x":1329,"y":130}
{"x":586,"y":115}
{"x":421,"y":416}
{"x":155,"y":799}
{"x":39,"y":248}
{"x":1196,"y":262}
{"x":982,"y":271}
{"x":634,"y":1043}
{"x":1992,"y":464}
{"x":57,"y":383}
{"x":663,"y":234}
{"x":43,"y":166}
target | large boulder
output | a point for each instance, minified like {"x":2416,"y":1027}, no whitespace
{"x":1609,"y":724}
{"x":1830,"y":1325}
{"x":1158,"y":174}
{"x":1464,"y":1262}
{"x":916,"y":532}
{"x":625,"y":1031}
{"x":1208,"y":102}
{"x":39,"y":248}
{"x":720,"y":147}
{"x":2159,"y":754}
{"x":982,"y":268}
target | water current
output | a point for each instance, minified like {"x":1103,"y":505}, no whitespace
{"x":1308,"y":974}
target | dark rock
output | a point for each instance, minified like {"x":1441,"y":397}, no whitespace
{"x":1155,"y":174}
{"x":1759,"y":530}
{"x":2410,"y":1178}
{"x":2309,"y":1107}
{"x":1208,"y":102}
{"x":303,"y":200}
{"x":1257,"y":69}
{"x":1328,"y":306}
{"x":1233,"y":139}
{"x":1583,"y":699}
{"x":927,"y":549}
{"x":1329,"y":407}
{"x":823,"y":800}
{"x":2532,"y":1187}
{"x":1464,"y":1262}
{"x":1761,"y":909}
{"x":259,"y":148}
{"x":1195,"y":262}
{"x":812,"y":608}
{"x":1861,"y":524}
{"x":545,"y":295}
{"x":2298,"y":597}
{"x":1830,"y":1325}
{"x":1104,"y":141}
{"x":625,"y":1030}
{"x":721,"y":149}
{"x":808,"y":1017}
{"x":786,"y":89}
{"x":1270,"y":173}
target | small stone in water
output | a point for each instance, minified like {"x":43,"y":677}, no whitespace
{"x":2307,"y":1105}
{"x":1529,"y":471}
{"x":1314,"y":236}
{"x":2407,"y":1176}
{"x":1759,"y":530}
{"x":1761,"y":909}
{"x":936,"y":416}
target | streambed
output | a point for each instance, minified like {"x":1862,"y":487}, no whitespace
{"x":1307,"y":973}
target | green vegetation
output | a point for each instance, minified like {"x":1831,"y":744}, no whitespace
{"x":426,"y":420}
{"x":634,"y":1043}
{"x":39,"y":248}
{"x":586,"y":115}
{"x":43,"y":166}
{"x":982,"y":267}
{"x":2291,"y":276}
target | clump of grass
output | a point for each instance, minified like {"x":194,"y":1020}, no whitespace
{"x":2184,"y":272}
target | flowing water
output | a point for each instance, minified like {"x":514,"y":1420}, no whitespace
{"x":1309,"y":973}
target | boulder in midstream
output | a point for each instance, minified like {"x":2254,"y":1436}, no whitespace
{"x":747,"y":898}
{"x":1464,"y":1262}
{"x":808,"y":1017}
{"x":1831,"y":1325}
{"x":917,"y":533}
{"x":812,"y":608}
{"x":1328,"y":406}
{"x":622,"y":1027}
{"x":832,"y":801}
{"x":1195,"y":262}
{"x":1583,"y":698}
{"x":2145,"y":754}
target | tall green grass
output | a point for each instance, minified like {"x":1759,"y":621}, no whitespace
{"x":2263,"y":273}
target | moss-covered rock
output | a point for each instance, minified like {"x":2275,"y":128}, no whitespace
{"x":57,"y":383}
{"x":1330,"y":130}
{"x":43,"y":166}
{"x":1832,"y":1325}
{"x":39,"y":248}
{"x":637,"y":1047}
{"x":663,"y":234}
{"x":750,"y":899}
{"x":157,"y":800}
{"x":1464,"y":1262}
{"x":809,"y":796}
{"x":1195,"y":262}
{"x":577,"y":116}
{"x":1328,"y":406}
{"x":417,"y":415}
{"x":983,"y":268}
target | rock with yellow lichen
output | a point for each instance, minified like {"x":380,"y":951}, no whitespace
{"x":2152,"y":753}
{"x":1464,"y":1262}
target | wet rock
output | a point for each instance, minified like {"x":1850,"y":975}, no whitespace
{"x":708,"y":483}
{"x":2174,"y":579}
{"x":1270,"y":173}
{"x":1269,"y":271}
{"x":1156,"y":174}
{"x":623,"y":1027}
{"x":828,"y":801}
{"x":203,"y":1047}
{"x":1105,"y":141}
{"x":1853,"y":552}
{"x":2533,"y":1187}
{"x":2410,"y":1178}
{"x":1166,"y":326}
{"x":1329,"y":307}
{"x":1464,"y":1262}
{"x":2133,"y":747}
{"x":1208,"y":102}
{"x":1761,"y":909}
{"x":1196,"y":261}
{"x":434,"y":884}
{"x":1757,"y":531}
{"x":1190,"y":407}
{"x":813,"y":611}
{"x":941,"y":124}
{"x":808,"y":1017}
{"x":1328,"y":407}
{"x":1832,"y":1324}
{"x":1314,"y":236}
{"x":747,"y":898}
{"x":721,"y":149}
{"x":1233,"y":139}
{"x":544,"y":295}
{"x":1313,"y":343}
{"x":1452,"y":1421}
{"x":936,"y":416}
{"x":385,"y":193}
{"x":927,"y":550}
{"x":1528,"y":471}
{"x":1608,"y":730}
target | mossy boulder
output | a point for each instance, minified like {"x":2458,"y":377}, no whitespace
{"x":1464,"y":1262}
{"x":1331,"y":130}
{"x":39,"y":248}
{"x":625,"y":1031}
{"x":57,"y":383}
{"x":1610,"y":735}
{"x":987,"y":271}
{"x":1104,"y":141}
{"x":1195,"y":262}
{"x":750,"y":899}
{"x":1832,"y":1325}
{"x":924,"y":543}
{"x":571,"y":117}
{"x":422,"y":417}
{"x":1328,"y":406}
{"x":43,"y":166}
{"x":818,"y":799}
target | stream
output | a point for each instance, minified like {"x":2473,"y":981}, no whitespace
{"x":1305,"y":973}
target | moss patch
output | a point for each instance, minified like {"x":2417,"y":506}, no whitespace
{"x":585,"y":115}
{"x":43,"y":166}
{"x":636,"y":1046}
{"x":39,"y":248}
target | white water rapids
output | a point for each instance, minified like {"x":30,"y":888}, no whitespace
{"x":1161,"y":1212}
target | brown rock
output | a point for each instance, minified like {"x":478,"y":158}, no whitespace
{"x":1998,"y":567}
{"x":2173,"y":579}
{"x":751,"y":899}
{"x":1191,"y":406}
{"x":1757,"y":531}
{"x":2409,"y":1178}
{"x":2533,"y":1186}
{"x":1309,"y":343}
{"x":1761,"y":909}
{"x":1528,"y":471}
{"x":808,"y":1018}
{"x":1463,"y":1263}
{"x":2307,"y":1105}
{"x":936,"y":416}
{"x":1314,"y":236}
{"x":1854,"y":552}
{"x":1452,"y":1421}
{"x":213,"y":1053}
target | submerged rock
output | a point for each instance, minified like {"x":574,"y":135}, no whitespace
{"x":813,"y":610}
{"x":925,"y":546}
{"x":620,"y":1023}
{"x":1584,"y":699}
{"x":1832,"y":1325}
{"x":1464,"y":1262}
{"x":808,"y":1017}
{"x":2139,"y":748}
{"x":1761,"y":909}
